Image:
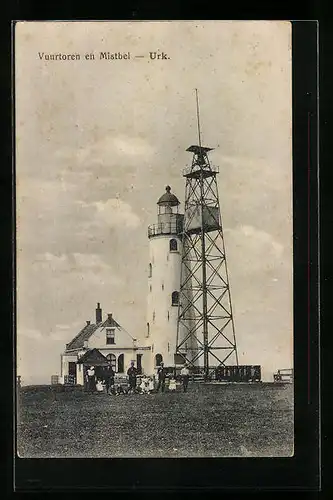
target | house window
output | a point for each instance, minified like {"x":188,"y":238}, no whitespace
{"x":110,"y":336}
{"x":150,"y":271}
{"x":175,"y":298}
{"x":112,"y":358}
{"x":139,"y":363}
{"x":173,"y":245}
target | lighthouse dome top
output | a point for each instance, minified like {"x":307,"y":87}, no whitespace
{"x":168,"y":199}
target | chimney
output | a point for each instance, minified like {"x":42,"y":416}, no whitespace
{"x":88,"y":323}
{"x":98,"y":313}
{"x":110,"y":317}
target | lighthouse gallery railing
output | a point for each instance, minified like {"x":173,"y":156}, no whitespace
{"x":165,"y":228}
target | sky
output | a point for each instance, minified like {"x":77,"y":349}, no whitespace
{"x":98,"y":140}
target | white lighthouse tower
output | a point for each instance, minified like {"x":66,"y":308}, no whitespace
{"x":165,"y":256}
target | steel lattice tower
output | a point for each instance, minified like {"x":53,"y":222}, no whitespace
{"x":205,"y":311}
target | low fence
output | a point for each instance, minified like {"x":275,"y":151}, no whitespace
{"x":240,"y":373}
{"x":284,"y":375}
{"x":69,"y":380}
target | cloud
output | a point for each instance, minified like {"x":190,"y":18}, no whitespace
{"x":71,"y":263}
{"x":251,"y":250}
{"x":63,"y":327}
{"x":37,"y":337}
{"x":258,"y":174}
{"x":50,"y":261}
{"x":108,"y":149}
{"x":116,"y":212}
{"x":113,"y":212}
{"x":262,"y":239}
{"x":60,"y":334}
{"x":90,"y":261}
{"x":36,"y":359}
{"x":30,"y":333}
{"x":132,"y":146}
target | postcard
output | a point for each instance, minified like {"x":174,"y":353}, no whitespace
{"x":154,"y":253}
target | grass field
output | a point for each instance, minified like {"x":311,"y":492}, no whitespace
{"x":210,"y":420}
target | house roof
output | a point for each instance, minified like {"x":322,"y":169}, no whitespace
{"x":83,"y":335}
{"x":88,"y":330}
{"x":93,"y":357}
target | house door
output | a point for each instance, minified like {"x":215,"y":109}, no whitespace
{"x":121,"y":363}
{"x":158,"y":359}
{"x":72,"y":368}
{"x":99,"y":372}
{"x":139,"y":363}
{"x":72,"y":371}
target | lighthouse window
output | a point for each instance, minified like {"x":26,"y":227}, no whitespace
{"x":110,"y":336}
{"x":173,"y":245}
{"x":162,"y":286}
{"x":175,"y":298}
{"x":150,"y":271}
{"x":148,"y":329}
{"x":154,"y":317}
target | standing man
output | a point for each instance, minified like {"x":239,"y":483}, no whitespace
{"x":132,"y":374}
{"x":185,"y":375}
{"x":161,"y":375}
{"x":109,"y":377}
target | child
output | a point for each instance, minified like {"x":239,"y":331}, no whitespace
{"x":120,"y":390}
{"x":151,"y":385}
{"x":172,"y":384}
{"x":185,"y":376}
{"x":113,"y":390}
{"x":99,"y":386}
{"x":144,"y":386}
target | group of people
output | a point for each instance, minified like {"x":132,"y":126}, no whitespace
{"x":162,"y":375}
{"x":105,"y":379}
{"x":146,"y":386}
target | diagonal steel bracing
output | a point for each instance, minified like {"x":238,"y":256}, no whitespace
{"x":205,"y":332}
